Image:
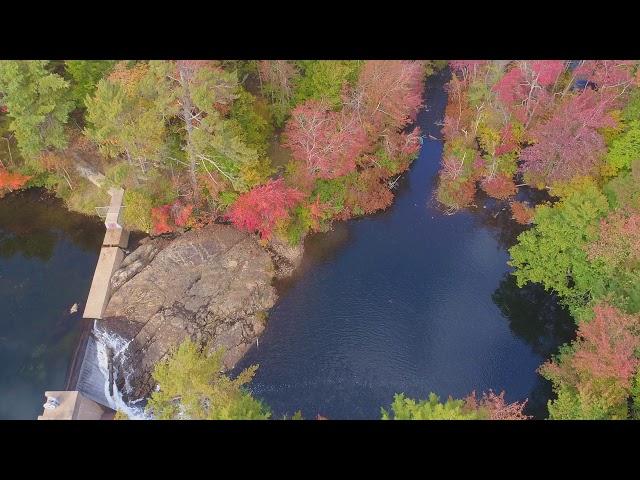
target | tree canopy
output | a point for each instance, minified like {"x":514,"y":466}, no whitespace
{"x":191,"y":386}
{"x":38,"y":103}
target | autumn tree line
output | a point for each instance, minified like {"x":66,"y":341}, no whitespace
{"x":190,"y":141}
{"x":571,"y":129}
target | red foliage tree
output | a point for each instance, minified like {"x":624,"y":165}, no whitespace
{"x":496,"y":406}
{"x":523,"y":89}
{"x":166,"y":218}
{"x":12,"y":181}
{"x":452,"y":167}
{"x":402,"y":146}
{"x":614,"y":75}
{"x":521,"y":213}
{"x":182,"y":214}
{"x":509,"y":88}
{"x":603,"y":351}
{"x":161,"y":217}
{"x":326,"y":142}
{"x":369,"y":194}
{"x":547,"y":71}
{"x":499,"y":186}
{"x":569,"y":143}
{"x":261,"y":208}
{"x":507,"y":141}
{"x":388,"y":94}
{"x":607,"y":344}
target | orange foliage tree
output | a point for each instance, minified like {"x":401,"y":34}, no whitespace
{"x":167,"y":218}
{"x":12,"y":181}
{"x":521,"y":213}
{"x":499,"y":186}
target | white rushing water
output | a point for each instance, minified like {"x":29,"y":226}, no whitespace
{"x":106,"y":344}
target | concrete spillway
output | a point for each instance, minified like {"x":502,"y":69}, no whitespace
{"x":95,"y":380}
{"x":92,"y":378}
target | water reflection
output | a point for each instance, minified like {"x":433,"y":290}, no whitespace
{"x":536,"y":317}
{"x":32,"y":221}
{"x":47,"y":257}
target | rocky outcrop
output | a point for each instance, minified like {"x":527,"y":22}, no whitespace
{"x":212,"y":285}
{"x":286,"y":258}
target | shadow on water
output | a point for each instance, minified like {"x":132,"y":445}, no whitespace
{"x":319,"y":248}
{"x":536,"y":317}
{"x":406,"y":301}
{"x":47,"y":258}
{"x":33,"y":221}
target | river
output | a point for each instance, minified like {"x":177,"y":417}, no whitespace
{"x":408,"y":300}
{"x":47,"y":258}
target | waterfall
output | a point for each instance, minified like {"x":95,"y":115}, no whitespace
{"x":91,"y":380}
{"x":98,"y":374}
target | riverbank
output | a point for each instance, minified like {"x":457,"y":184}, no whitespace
{"x":407,"y":300}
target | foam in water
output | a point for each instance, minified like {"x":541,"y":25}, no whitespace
{"x":108,"y":344}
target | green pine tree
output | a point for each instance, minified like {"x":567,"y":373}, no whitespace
{"x":404,"y":408}
{"x":38,"y":103}
{"x":191,"y":386}
{"x":85,"y":75}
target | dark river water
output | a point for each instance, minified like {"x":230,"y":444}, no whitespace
{"x":409,"y":300}
{"x":47,"y":257}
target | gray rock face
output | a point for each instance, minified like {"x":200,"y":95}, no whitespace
{"x":286,"y":258}
{"x":212,"y":285}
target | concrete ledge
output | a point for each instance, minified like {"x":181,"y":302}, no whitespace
{"x":116,"y":237}
{"x":108,"y":262}
{"x":114,"y":214}
{"x":75,"y":406}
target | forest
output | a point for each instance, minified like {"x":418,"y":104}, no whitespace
{"x":570,"y":129}
{"x":285,"y":148}
{"x":192,"y":142}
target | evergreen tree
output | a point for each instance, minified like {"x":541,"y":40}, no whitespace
{"x":324,"y":80}
{"x":126,"y":116}
{"x":404,"y":408}
{"x":192,"y":387}
{"x":37,"y":102}
{"x":85,"y":75}
{"x":215,"y":144}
